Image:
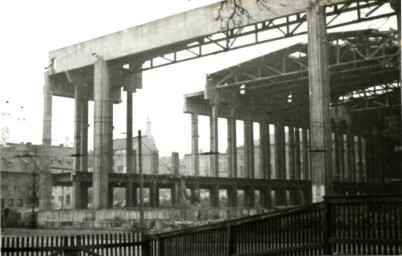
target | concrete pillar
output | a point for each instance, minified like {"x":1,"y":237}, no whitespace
{"x":266,"y":197}
{"x":232,"y":146}
{"x":154,"y":194}
{"x":110,"y":138}
{"x":280,"y":194}
{"x":45,"y":192}
{"x":295,"y":196}
{"x":342,"y":167}
{"x":175,"y":163}
{"x":350,"y":154}
{"x":338,"y":135}
{"x":102,"y":123}
{"x":232,"y":196}
{"x":249,"y":197}
{"x":291,"y":146}
{"x":297,"y":154}
{"x":175,"y":193}
{"x":129,"y":150}
{"x":368,"y":138}
{"x":305,"y":155}
{"x":249,"y":149}
{"x":195,"y":158}
{"x":214,"y":157}
{"x":320,"y":122}
{"x":361,"y":176}
{"x":84,"y":134}
{"x":110,"y":196}
{"x":214,"y":194}
{"x":80,"y":195}
{"x":77,"y":127}
{"x":280,"y":151}
{"x":265,"y":154}
{"x":195,"y":192}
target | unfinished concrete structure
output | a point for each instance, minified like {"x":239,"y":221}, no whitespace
{"x":273,"y":90}
{"x":97,"y":69}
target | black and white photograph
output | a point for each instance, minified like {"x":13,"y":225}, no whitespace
{"x":200,"y":127}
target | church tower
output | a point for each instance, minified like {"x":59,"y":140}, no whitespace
{"x":148,"y":131}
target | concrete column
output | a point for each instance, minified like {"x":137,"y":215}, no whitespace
{"x":295,"y":196}
{"x":249,"y":149}
{"x":154,"y":194}
{"x":129,"y":150}
{"x":249,"y":196}
{"x":110,"y":196}
{"x":291,"y":145}
{"x":84,"y":134}
{"x":102,"y":123}
{"x":195,"y":162}
{"x":265,"y":154}
{"x":77,"y":127}
{"x":110,"y":138}
{"x":280,"y":194}
{"x":214,"y":194}
{"x":361,"y":176}
{"x":266,"y":197}
{"x":195,"y":192}
{"x":320,"y":123}
{"x":214,"y":158}
{"x":232,"y":147}
{"x":175,"y":193}
{"x":350,"y":154}
{"x":175,"y":163}
{"x":45,"y":192}
{"x":232,"y":196}
{"x":368,"y":153}
{"x":280,"y":151}
{"x":338,"y":135}
{"x":306,"y":171}
{"x":297,"y":154}
{"x":80,"y":195}
{"x":342,"y":167}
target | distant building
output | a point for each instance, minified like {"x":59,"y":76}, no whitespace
{"x":150,"y":155}
{"x":17,"y":167}
{"x":204,"y":161}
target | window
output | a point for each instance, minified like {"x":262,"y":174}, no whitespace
{"x":28,"y":203}
{"x":10,"y":202}
{"x":2,"y":203}
{"x":4,"y":188}
{"x":16,"y":187}
{"x":20,"y":203}
{"x":4,"y":175}
{"x":37,"y":203}
{"x":68,"y":199}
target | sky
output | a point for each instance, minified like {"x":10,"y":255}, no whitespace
{"x":30,"y":29}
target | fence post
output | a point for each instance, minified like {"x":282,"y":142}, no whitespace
{"x":146,"y":245}
{"x":231,"y":240}
{"x":326,"y":227}
{"x":161,"y":246}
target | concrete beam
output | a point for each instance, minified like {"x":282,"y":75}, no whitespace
{"x":176,"y":30}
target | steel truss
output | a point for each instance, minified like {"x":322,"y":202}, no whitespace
{"x":271,"y":30}
{"x":357,"y":58}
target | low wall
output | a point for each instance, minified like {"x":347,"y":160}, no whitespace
{"x":88,"y":218}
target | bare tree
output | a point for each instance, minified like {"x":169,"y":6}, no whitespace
{"x":232,"y":13}
{"x":30,"y":183}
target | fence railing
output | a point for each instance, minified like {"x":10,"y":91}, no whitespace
{"x":78,"y":245}
{"x":339,"y":225}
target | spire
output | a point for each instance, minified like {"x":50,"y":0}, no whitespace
{"x":148,"y":131}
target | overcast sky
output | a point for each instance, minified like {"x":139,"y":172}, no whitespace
{"x":30,"y":29}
